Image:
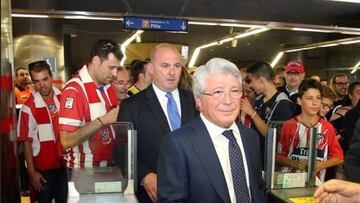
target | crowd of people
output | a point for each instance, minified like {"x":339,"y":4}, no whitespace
{"x":201,"y":136}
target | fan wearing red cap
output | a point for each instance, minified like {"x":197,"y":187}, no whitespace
{"x":294,"y":74}
{"x":294,"y":67}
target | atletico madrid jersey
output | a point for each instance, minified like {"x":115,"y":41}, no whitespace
{"x":294,"y":142}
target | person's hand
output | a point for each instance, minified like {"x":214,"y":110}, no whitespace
{"x":300,"y":164}
{"x":337,"y":191}
{"x":150,"y":185}
{"x":36,"y":180}
{"x":246,"y":106}
{"x":111,"y":116}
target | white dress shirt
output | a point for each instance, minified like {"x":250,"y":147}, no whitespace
{"x":221,"y":144}
{"x":161,"y":96}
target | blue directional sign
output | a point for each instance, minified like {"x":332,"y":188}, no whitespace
{"x":166,"y":24}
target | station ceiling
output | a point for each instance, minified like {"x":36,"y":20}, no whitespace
{"x":263,"y":46}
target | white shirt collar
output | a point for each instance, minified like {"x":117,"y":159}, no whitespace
{"x":215,"y":130}
{"x":161,"y":94}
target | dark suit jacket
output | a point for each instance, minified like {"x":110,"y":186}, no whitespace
{"x":145,"y":112}
{"x":189,"y":169}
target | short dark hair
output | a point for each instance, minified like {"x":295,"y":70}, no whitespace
{"x":137,"y":68}
{"x":19,"y":68}
{"x":103,"y":48}
{"x":333,"y":80}
{"x":309,"y":84}
{"x":352,"y":87}
{"x":38,"y":66}
{"x":261,"y":69}
{"x":134,"y":61}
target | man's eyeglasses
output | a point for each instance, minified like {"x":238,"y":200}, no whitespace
{"x":293,"y":73}
{"x":341,"y":83}
{"x":122,"y":83}
{"x":220,"y":94}
{"x":326,"y":107}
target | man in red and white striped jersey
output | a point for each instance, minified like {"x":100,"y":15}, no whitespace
{"x":38,"y":129}
{"x":87,"y":103}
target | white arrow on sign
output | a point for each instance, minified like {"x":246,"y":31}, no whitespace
{"x":128,"y":23}
{"x":183,"y":26}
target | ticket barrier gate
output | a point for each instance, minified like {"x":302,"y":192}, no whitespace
{"x":114,"y":182}
{"x":286,"y":186}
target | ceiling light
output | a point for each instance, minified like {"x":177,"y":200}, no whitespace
{"x":348,"y":1}
{"x":332,"y":43}
{"x":350,"y":42}
{"x":80,"y":17}
{"x":309,"y":30}
{"x":350,"y":33}
{"x":194,"y":57}
{"x":209,"y":45}
{"x":277,"y":59}
{"x":242,"y":35}
{"x":225,"y":24}
{"x":356,"y":67}
{"x":29,"y":15}
{"x":226,"y":40}
{"x":201,"y":23}
{"x":239,"y":25}
{"x":298,"y":49}
{"x":126,"y":43}
{"x":329,"y":45}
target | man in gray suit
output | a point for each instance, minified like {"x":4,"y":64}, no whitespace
{"x":156,"y":111}
{"x":212,"y":158}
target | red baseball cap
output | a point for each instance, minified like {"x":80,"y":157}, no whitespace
{"x":294,"y":66}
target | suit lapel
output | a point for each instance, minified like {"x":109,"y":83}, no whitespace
{"x":209,"y":159}
{"x":154,"y":104}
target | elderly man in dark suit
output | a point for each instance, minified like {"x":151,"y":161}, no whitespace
{"x":156,"y":111}
{"x":212,"y":158}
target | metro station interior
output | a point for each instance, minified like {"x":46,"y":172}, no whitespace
{"x":323,"y":34}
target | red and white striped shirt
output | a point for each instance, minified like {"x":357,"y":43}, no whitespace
{"x":82,"y":102}
{"x":38,"y":124}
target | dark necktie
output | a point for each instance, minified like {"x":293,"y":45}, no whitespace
{"x":237,"y":169}
{"x":173,"y":113}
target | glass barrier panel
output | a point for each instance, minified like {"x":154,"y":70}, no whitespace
{"x":290,"y":155}
{"x":104,"y":163}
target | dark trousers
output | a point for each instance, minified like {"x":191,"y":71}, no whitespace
{"x":56,"y":186}
{"x":352,"y":172}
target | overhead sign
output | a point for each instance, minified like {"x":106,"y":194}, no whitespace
{"x":165,"y":24}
